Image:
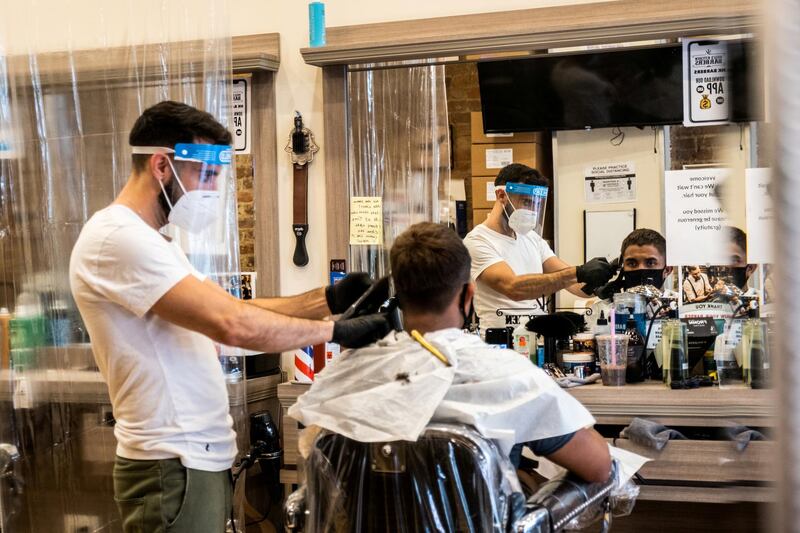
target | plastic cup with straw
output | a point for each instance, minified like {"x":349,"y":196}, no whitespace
{"x":612,"y":349}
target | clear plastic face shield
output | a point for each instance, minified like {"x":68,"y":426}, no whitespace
{"x":526,"y":206}
{"x":194,"y":198}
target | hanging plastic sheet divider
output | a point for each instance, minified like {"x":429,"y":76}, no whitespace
{"x":64,"y":122}
{"x":399,"y":150}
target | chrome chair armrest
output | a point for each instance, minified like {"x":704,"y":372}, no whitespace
{"x":295,"y":510}
{"x":560,"y":500}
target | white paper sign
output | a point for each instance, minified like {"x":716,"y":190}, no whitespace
{"x":760,"y":216}
{"x":607,"y":183}
{"x":695,"y":221}
{"x":366,"y":220}
{"x":705,"y":83}
{"x":490,"y":194}
{"x":499,"y":157}
{"x":655,"y":335}
{"x":240,"y":115}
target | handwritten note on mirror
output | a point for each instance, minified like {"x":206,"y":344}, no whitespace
{"x":366,"y":220}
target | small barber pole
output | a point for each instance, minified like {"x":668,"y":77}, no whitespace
{"x":304,"y":365}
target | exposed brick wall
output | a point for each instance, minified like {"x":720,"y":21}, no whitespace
{"x":693,"y":146}
{"x":244,"y":189}
{"x":463,"y":97}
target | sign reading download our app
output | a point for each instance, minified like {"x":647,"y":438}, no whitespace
{"x":705,"y":82}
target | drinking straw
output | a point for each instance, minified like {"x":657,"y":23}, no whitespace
{"x":613,"y":338}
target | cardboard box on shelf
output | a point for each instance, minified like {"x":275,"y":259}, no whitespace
{"x":488,"y":159}
{"x":483,"y":192}
{"x":479,"y":215}
{"x":479,"y":137}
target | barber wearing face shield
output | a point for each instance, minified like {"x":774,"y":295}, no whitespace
{"x":153,"y":320}
{"x":513,"y":266}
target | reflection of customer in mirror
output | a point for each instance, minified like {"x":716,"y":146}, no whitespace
{"x":740,"y":269}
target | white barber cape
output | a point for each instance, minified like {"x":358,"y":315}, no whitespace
{"x":391,"y":390}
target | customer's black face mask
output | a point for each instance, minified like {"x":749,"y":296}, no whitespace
{"x":739,"y":276}
{"x":635,"y":278}
{"x":461,"y":300}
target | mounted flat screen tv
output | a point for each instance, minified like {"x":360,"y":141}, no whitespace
{"x":623,"y":87}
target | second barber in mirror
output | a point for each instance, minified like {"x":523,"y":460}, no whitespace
{"x":512,"y":265}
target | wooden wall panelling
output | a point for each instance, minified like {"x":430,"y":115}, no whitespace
{"x":265,"y":185}
{"x":334,"y":89}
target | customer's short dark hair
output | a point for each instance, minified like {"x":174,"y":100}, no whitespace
{"x":430,"y":265}
{"x":169,"y":123}
{"x":519,"y":173}
{"x":645,"y":237}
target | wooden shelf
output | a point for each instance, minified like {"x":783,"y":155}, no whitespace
{"x":705,"y":406}
{"x":87,"y":386}
{"x":532,"y":29}
{"x":249,"y":53}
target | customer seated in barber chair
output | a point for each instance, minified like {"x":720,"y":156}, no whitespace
{"x":393,"y":389}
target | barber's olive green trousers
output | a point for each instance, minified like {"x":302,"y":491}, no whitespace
{"x":165,"y":496}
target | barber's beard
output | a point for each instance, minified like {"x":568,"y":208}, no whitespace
{"x":162,"y":201}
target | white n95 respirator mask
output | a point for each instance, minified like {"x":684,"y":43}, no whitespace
{"x":196,"y":209}
{"x":522,"y":220}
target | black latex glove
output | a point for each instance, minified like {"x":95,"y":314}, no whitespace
{"x":594,"y":274}
{"x":607,"y":291}
{"x":346,"y":291}
{"x":361,"y":331}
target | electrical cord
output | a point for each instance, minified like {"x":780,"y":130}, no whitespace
{"x":618,"y":134}
{"x":653,"y":321}
{"x":256,"y":452}
{"x":655,"y":139}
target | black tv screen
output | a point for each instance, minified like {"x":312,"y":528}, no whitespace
{"x":624,"y":87}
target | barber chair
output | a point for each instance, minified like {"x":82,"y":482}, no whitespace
{"x":451,"y":479}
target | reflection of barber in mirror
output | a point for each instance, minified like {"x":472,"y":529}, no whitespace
{"x":696,"y":286}
{"x":512,"y":264}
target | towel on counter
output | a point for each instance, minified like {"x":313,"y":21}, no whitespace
{"x":742,"y":436}
{"x":569,"y":381}
{"x":650,"y":434}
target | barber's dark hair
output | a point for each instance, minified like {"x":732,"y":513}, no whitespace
{"x":430,"y":265}
{"x":519,"y":173}
{"x":738,"y":237}
{"x":169,"y":123}
{"x":645,"y":237}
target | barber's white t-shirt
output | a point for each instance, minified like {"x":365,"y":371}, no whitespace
{"x":525,"y":254}
{"x":166,"y":384}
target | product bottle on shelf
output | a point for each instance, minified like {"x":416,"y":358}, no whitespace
{"x":522,"y":340}
{"x":634,"y":372}
{"x":5,"y":338}
{"x":675,"y":362}
{"x":756,"y":355}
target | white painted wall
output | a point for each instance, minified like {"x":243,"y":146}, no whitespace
{"x":57,"y":25}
